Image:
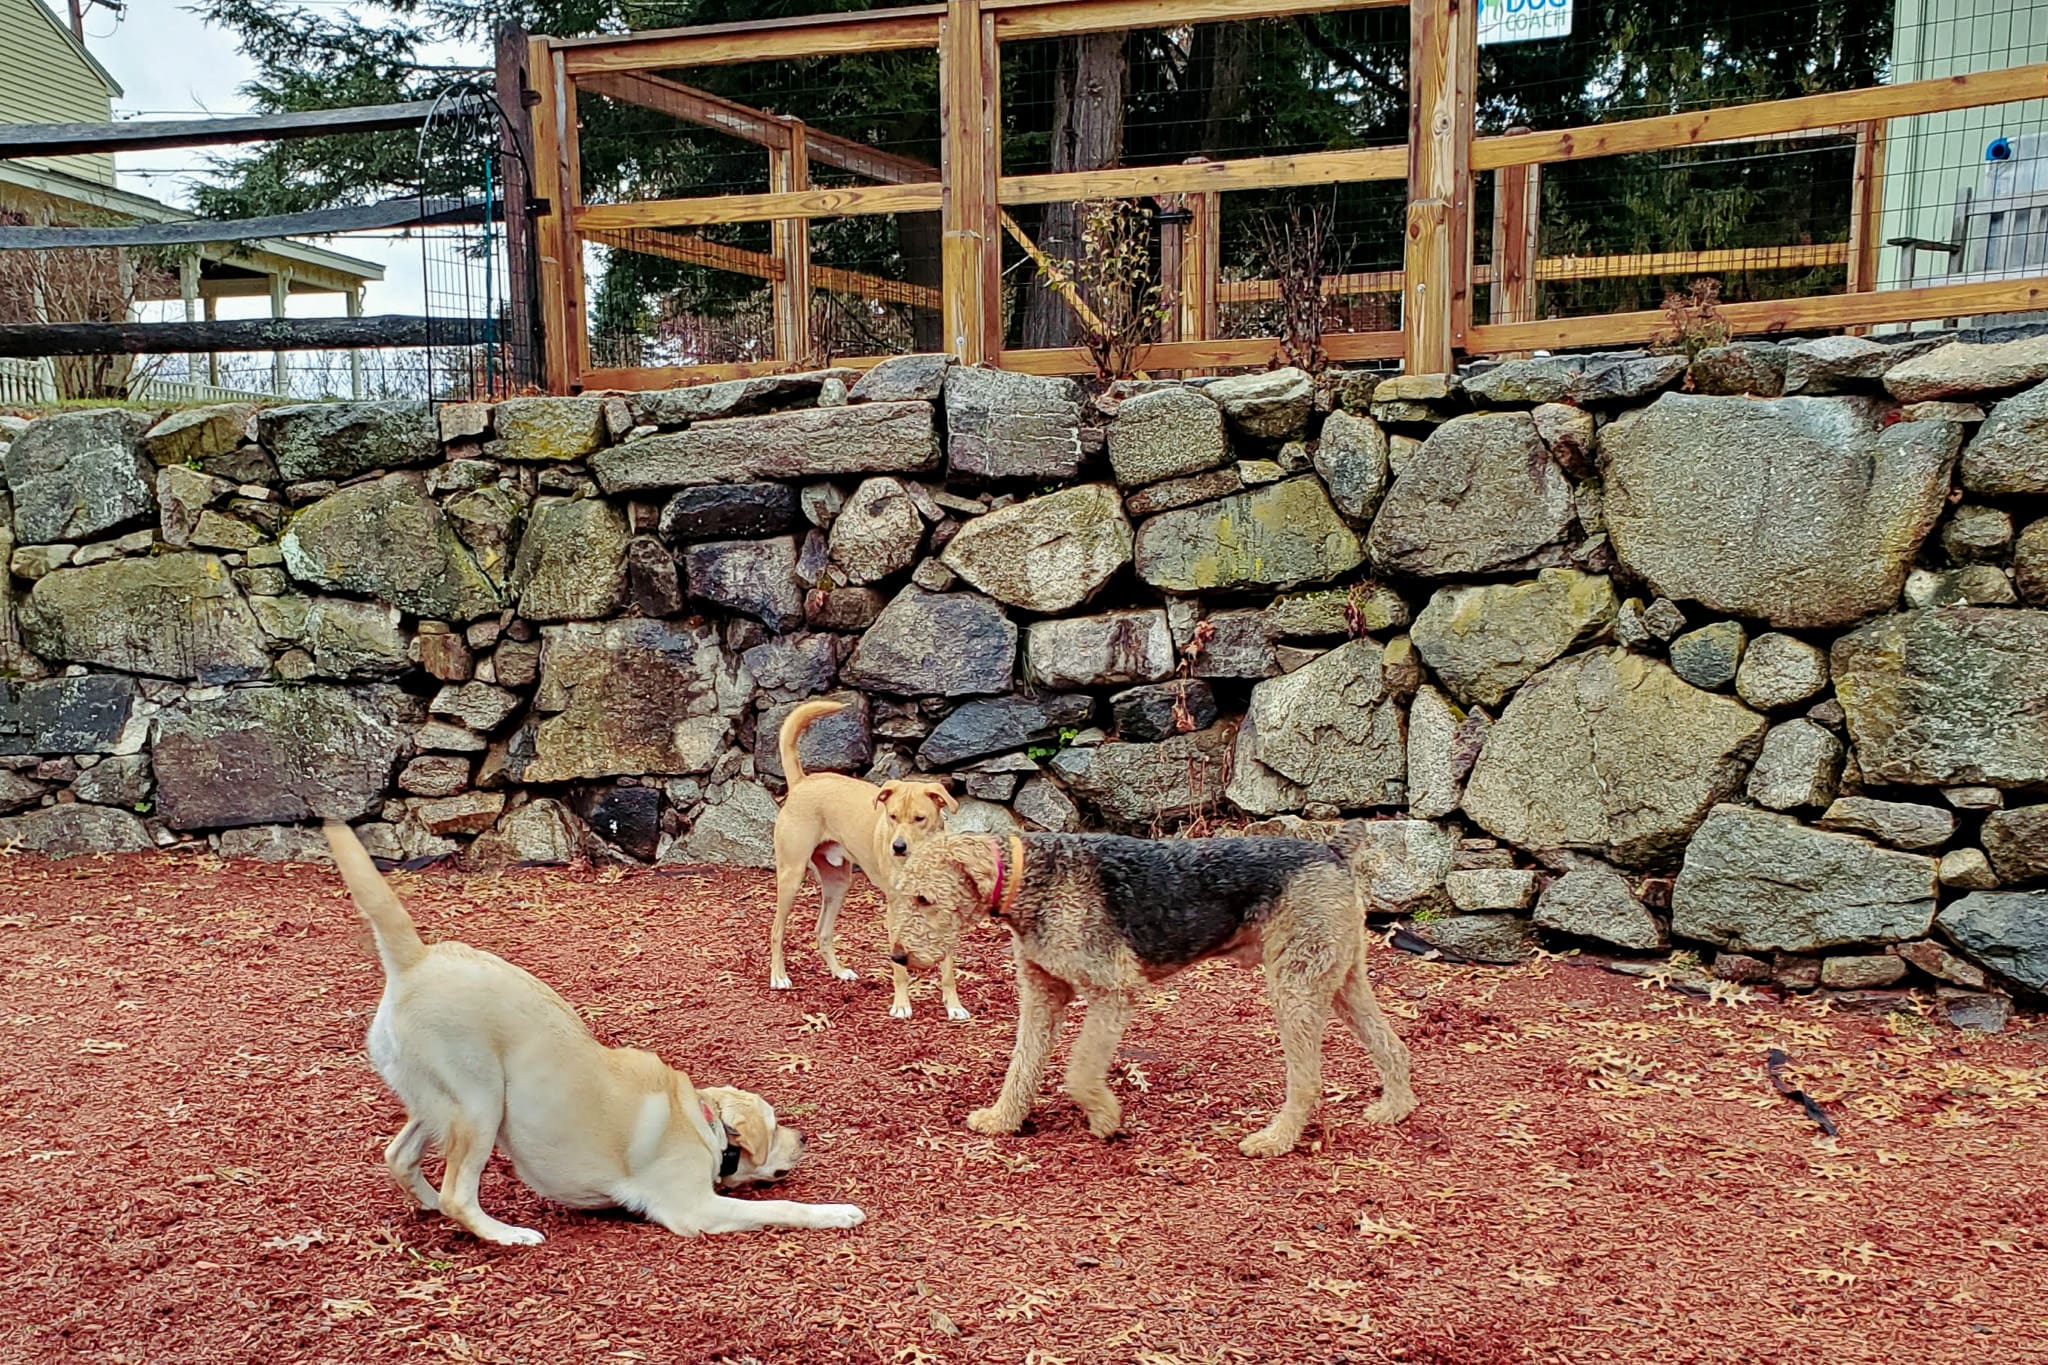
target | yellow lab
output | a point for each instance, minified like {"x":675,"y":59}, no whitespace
{"x":485,"y":1055}
{"x":831,"y":823}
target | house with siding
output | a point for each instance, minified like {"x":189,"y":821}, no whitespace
{"x":48,"y":76}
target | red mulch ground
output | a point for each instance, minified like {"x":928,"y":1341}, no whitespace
{"x":190,"y":1136}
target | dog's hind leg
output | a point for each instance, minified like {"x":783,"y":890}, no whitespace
{"x":789,"y":879}
{"x":402,"y":1158}
{"x":1355,"y":1001}
{"x":949,"y":987}
{"x":833,"y":883}
{"x":1088,"y":1066}
{"x":467,"y":1147}
{"x":1041,"y":1001}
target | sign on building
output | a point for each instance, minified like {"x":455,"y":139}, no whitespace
{"x":1520,"y":21}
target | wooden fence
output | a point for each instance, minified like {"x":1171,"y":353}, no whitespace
{"x":1439,"y":162}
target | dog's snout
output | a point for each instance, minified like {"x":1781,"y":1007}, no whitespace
{"x":900,"y":848}
{"x":899,"y":957}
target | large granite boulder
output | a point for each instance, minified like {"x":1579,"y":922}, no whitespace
{"x":572,"y":560}
{"x":1598,"y":903}
{"x":173,"y":616}
{"x":77,"y":475}
{"x":1282,"y":535}
{"x":387,"y":539}
{"x":1482,"y":496}
{"x":632,"y":697}
{"x":1045,"y":554}
{"x":487,"y":520}
{"x":75,"y":831}
{"x":2006,"y":931}
{"x":270,"y":755}
{"x":1005,"y":425}
{"x":351,"y":639}
{"x":738,"y":831}
{"x":1779,"y":671}
{"x":902,"y":378}
{"x":1484,"y":642}
{"x":341,"y":440}
{"x":1581,"y":380}
{"x":757,"y":578}
{"x":729,"y":511}
{"x":1002,"y":725}
{"x":1166,"y":433}
{"x":539,"y":833}
{"x":1954,"y":696}
{"x":1149,"y":786}
{"x":944,"y":644}
{"x":1757,"y":882}
{"x":1271,"y":405}
{"x":1402,"y":864}
{"x":732,"y":397}
{"x":544,"y":430}
{"x":1805,"y":512}
{"x":866,"y":438}
{"x":84,"y":715}
{"x":1964,"y":369}
{"x":877,"y":533}
{"x":1112,"y":650}
{"x":1610,"y":753}
{"x":2009,"y":454}
{"x":1331,"y":728}
{"x":2017,"y":843}
{"x":194,"y":435}
{"x":1351,"y":460}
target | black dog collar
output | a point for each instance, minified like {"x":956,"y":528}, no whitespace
{"x":730,"y":1161}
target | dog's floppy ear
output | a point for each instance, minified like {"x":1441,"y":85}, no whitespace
{"x":884,"y":793}
{"x":945,"y":798}
{"x":745,"y":1116}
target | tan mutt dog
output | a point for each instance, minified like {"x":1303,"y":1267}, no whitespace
{"x":829,"y":820}
{"x":483,"y":1054}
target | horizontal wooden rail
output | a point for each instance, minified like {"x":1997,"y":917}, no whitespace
{"x":20,"y":340}
{"x":1744,"y":121}
{"x":683,"y":376}
{"x":691,"y":250}
{"x":760,"y":208}
{"x":391,"y":213}
{"x":1763,"y":317}
{"x":1244,"y":173}
{"x":1242,"y":353}
{"x":67,"y":139}
{"x":1052,"y":18}
{"x":755,"y":40}
{"x":1565,"y":268}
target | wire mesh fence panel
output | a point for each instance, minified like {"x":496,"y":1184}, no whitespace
{"x":659,"y":298}
{"x":1341,"y":244}
{"x":876,"y":285}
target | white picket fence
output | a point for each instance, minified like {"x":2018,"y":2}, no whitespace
{"x":29,"y":382}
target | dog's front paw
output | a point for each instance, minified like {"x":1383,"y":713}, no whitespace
{"x":778,"y":983}
{"x":1390,"y":1109}
{"x":1268,"y":1142}
{"x":1105,"y":1121}
{"x":505,"y":1235}
{"x":993,"y":1121}
{"x":845,"y":974}
{"x":900,"y":1010}
{"x":840,"y":1216}
{"x":958,"y":1013}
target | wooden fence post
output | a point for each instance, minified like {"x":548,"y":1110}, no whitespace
{"x":1200,"y":262}
{"x":550,"y":226}
{"x":1866,"y":209}
{"x":790,"y":244}
{"x":1442,"y":69}
{"x":971,"y":250}
{"x":1517,"y":224}
{"x":517,"y":185}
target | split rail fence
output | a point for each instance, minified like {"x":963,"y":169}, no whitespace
{"x":1441,"y":163}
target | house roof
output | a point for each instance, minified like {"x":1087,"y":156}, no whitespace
{"x":283,"y":251}
{"x":63,"y":30}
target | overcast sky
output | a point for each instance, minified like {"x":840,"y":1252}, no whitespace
{"x":170,"y":63}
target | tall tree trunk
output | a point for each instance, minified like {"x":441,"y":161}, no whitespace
{"x":1088,"y":134}
{"x":1223,"y":61}
{"x":919,"y":237}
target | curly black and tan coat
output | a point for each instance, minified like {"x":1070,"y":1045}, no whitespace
{"x":1102,"y":917}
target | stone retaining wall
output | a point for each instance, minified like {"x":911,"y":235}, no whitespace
{"x":1743,"y":652}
